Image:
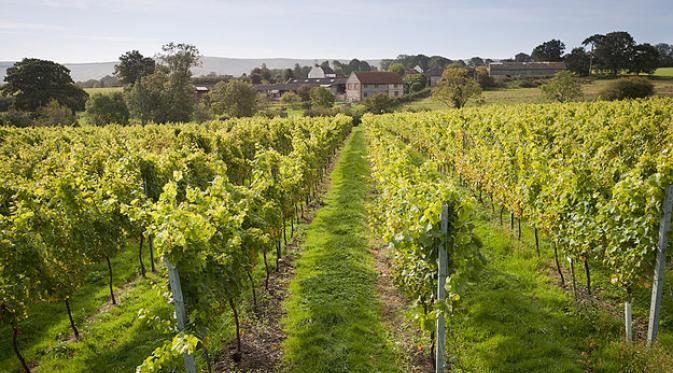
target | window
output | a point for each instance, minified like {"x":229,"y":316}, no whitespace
{"x":397,"y":93}
{"x":365,"y":94}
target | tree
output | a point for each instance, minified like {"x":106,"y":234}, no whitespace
{"x":645,"y":59}
{"x":613,"y":51}
{"x":549,"y":51}
{"x":475,"y":62}
{"x":522,"y":57}
{"x":291,"y":99}
{"x":665,"y":54}
{"x":397,"y":68}
{"x":304,"y":93}
{"x":483,"y":78}
{"x":592,"y":40}
{"x":133,"y":66}
{"x":415,"y":82}
{"x":578,"y":61}
{"x":456,"y":87}
{"x":105,"y":109}
{"x":321,"y":97}
{"x":34,"y":83}
{"x":380,"y":103}
{"x":55,"y":114}
{"x":149,"y":98}
{"x":235,"y":99}
{"x":180,"y":59}
{"x":563,"y":87}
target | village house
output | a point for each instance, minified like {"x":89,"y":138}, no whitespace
{"x":433,"y":76}
{"x":524,"y":69}
{"x":362,"y":85}
{"x":320,"y":72}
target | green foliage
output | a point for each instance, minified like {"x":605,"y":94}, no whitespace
{"x":549,"y":51}
{"x":380,"y":103}
{"x":645,"y":59}
{"x":291,"y":99}
{"x":613,"y":51}
{"x":321,"y":97}
{"x":16,"y":118}
{"x":106,"y":109}
{"x":397,"y":68}
{"x":55,"y":114}
{"x":578,"y":61}
{"x":563,"y":87}
{"x":132,"y":66}
{"x":627,"y":88}
{"x":236,"y":99}
{"x":456,"y":87}
{"x":415,"y":82}
{"x":149,"y":98}
{"x":34,"y":83}
{"x":483,"y":78}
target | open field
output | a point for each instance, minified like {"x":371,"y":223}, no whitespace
{"x":663,"y":87}
{"x":106,"y":90}
{"x":664,"y":71}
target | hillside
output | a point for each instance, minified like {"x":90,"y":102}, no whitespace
{"x":220,"y":65}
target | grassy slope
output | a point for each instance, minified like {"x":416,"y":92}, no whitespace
{"x":664,"y":71}
{"x":662,"y":86}
{"x":333,"y":321}
{"x":113,"y":338}
{"x":516,"y":318}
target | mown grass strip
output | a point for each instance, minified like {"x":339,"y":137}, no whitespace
{"x":334,"y":322}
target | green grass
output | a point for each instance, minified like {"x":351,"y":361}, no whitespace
{"x":105,"y":91}
{"x":333,"y":321}
{"x":505,"y":96}
{"x":664,"y":71}
{"x":515,"y":317}
{"x":113,"y":340}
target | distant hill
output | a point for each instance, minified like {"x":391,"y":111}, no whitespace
{"x":220,"y":65}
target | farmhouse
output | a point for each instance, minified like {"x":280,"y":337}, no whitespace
{"x":521,"y":69}
{"x":433,"y":76}
{"x":320,"y":72}
{"x":361,"y":85}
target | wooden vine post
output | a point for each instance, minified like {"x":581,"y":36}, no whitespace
{"x":443,"y":269}
{"x":660,"y":268}
{"x":180,"y":313}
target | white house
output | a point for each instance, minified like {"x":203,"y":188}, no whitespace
{"x":362,"y":85}
{"x":319,"y":72}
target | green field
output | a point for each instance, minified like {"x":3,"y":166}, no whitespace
{"x":505,"y":96}
{"x":105,"y":91}
{"x":664,"y":71}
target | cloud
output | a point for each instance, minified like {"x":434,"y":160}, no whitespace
{"x":27,"y":26}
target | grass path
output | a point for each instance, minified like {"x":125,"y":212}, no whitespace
{"x":334,"y":322}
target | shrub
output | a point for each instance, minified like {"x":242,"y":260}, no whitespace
{"x":563,"y":87}
{"x":380,"y":103}
{"x":321,"y":97}
{"x":55,"y":114}
{"x":291,"y":99}
{"x":106,"y":109}
{"x":628,"y":88}
{"x":16,"y":118}
{"x":528,"y":83}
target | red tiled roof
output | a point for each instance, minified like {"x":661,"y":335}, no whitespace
{"x":378,"y":77}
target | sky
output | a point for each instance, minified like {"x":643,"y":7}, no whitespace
{"x":70,"y":31}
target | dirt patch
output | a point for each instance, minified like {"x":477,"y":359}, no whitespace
{"x":407,"y":337}
{"x":262,"y":334}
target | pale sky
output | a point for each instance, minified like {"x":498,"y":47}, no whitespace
{"x":101,"y":30}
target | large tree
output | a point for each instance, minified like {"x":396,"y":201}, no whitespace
{"x":645,"y":59}
{"x":613,"y":51}
{"x":551,"y":50}
{"x":133,"y":66}
{"x":180,"y":59}
{"x":235,"y":99}
{"x":104,"y":109}
{"x":34,"y":83}
{"x":665,"y":54}
{"x":456,"y":87}
{"x":522,"y":57}
{"x":578,"y":61}
{"x":592,"y":40}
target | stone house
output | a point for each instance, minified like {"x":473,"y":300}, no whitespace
{"x":362,"y":85}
